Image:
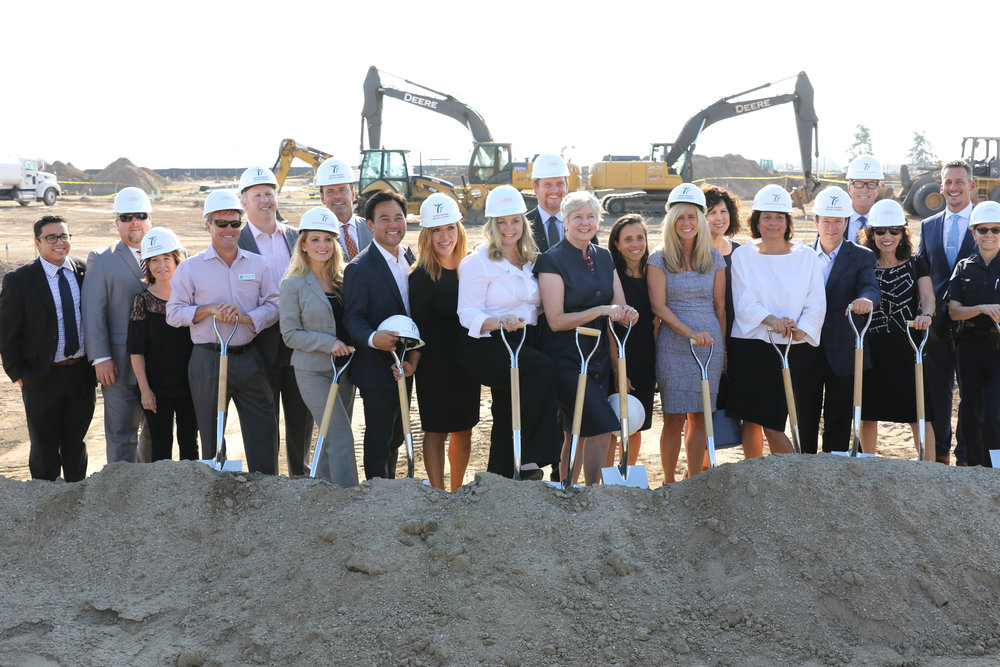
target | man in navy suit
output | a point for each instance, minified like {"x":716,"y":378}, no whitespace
{"x":42,"y":346}
{"x":827,"y":381}
{"x":944,"y":239}
{"x":376,"y":286}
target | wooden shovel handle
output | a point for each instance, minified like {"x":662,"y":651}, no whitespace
{"x":223,"y":382}
{"x":581,"y":388}
{"x":515,"y":398}
{"x":793,"y":414}
{"x":706,"y":406}
{"x":859,"y":363}
{"x":404,"y":408}
{"x":588,"y":331}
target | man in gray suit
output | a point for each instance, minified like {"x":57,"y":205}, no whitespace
{"x":274,"y":241}
{"x":114,"y":276}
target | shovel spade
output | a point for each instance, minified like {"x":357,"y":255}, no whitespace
{"x":220,"y":462}
{"x":331,"y":398}
{"x":515,"y":395}
{"x":623,"y":474}
{"x":786,"y":378}
{"x":918,"y":372}
{"x":706,"y":400}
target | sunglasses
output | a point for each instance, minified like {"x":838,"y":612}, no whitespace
{"x":988,"y":230}
{"x":881,"y":231}
{"x":222,"y":224}
{"x":127,"y":217}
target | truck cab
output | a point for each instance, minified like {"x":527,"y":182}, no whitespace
{"x":22,"y":181}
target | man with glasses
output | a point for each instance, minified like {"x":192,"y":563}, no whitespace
{"x":114,"y":276}
{"x":944,"y":240}
{"x":864,"y":177}
{"x":222,"y":286}
{"x":42,"y":347}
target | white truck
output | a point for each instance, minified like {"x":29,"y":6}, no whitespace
{"x":21,"y":181}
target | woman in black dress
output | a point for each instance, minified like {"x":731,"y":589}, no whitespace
{"x":160,"y":352}
{"x":630,"y":252}
{"x":447,"y":398}
{"x":889,"y":386}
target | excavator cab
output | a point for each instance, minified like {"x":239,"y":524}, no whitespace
{"x":385,"y":166}
{"x":491,"y":164}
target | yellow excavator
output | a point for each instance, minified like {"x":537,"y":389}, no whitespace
{"x":288,"y":151}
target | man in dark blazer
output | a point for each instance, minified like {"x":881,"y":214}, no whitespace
{"x":944,"y":239}
{"x":375,"y":288}
{"x":42,"y":347}
{"x":274,"y":241}
{"x":550,"y":181}
{"x":826,"y":383}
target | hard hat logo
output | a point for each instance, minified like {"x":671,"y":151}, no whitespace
{"x":834,"y":200}
{"x":153,"y":241}
{"x":438,"y":207}
{"x":685,"y":190}
{"x":776,"y":197}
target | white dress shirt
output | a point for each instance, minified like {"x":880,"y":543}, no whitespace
{"x":274,"y":249}
{"x":545,"y":223}
{"x":489,"y":288}
{"x":52,"y":275}
{"x":827,"y":259}
{"x":401,"y":274}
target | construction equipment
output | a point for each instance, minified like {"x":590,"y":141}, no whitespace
{"x":643,"y":185}
{"x":384,"y":169}
{"x":921,"y":194}
{"x":859,"y":362}
{"x":22,"y":180}
{"x":623,"y":474}
{"x":219,"y":462}
{"x":918,"y":371}
{"x":331,"y":399}
{"x":288,"y":151}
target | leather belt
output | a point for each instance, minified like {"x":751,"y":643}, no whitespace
{"x":232,"y":349}
{"x":68,"y":362}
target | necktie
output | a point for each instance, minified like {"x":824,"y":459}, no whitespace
{"x":69,"y":316}
{"x":951,"y":247}
{"x":142,"y":264}
{"x":553,"y":232}
{"x":352,"y":248}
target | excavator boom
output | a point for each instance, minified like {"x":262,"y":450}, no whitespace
{"x":288,"y":151}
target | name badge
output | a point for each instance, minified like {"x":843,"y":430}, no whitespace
{"x":248,"y":276}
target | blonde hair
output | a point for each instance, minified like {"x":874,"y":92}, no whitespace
{"x":673,"y":253}
{"x":527,"y":249}
{"x":334,"y":267}
{"x":428,"y":259}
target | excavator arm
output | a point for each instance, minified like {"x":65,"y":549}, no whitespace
{"x":288,"y":151}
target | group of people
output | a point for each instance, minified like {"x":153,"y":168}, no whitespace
{"x":148,"y":324}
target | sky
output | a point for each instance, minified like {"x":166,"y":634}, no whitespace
{"x":220,"y":84}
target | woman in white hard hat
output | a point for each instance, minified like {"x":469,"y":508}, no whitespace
{"x":687,"y":291}
{"x":311,"y":310}
{"x":447,"y":397}
{"x":777,"y":285}
{"x":974,"y":302}
{"x":580,"y":288}
{"x":889,"y":387}
{"x":160,"y":353}
{"x":497,"y":289}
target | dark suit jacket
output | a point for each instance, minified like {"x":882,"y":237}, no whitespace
{"x":276,"y":354}
{"x":29,"y":326}
{"x":534,"y":217}
{"x":852,"y":276}
{"x":370,"y":296}
{"x":932,"y":250}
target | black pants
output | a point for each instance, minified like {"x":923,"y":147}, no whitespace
{"x":978,"y":364}
{"x":383,"y":429}
{"x":58,"y":414}
{"x":298,"y":421}
{"x":940,"y":371}
{"x":161,"y":428}
{"x":820,"y":390}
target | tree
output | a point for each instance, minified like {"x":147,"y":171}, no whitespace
{"x":862,"y":143}
{"x":921,"y":153}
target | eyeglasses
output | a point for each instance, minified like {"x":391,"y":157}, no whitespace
{"x":222,"y":224}
{"x":871,"y":185}
{"x":981,"y":230}
{"x":127,"y":217}
{"x":881,"y":231}
{"x":53,"y":239}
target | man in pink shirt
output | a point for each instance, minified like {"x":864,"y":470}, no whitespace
{"x":229,"y":284}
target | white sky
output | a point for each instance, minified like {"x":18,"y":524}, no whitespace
{"x":219,"y":84}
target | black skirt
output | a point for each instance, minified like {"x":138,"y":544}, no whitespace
{"x":756,"y":389}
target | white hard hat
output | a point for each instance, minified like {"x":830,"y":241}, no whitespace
{"x":157,"y":241}
{"x":685,"y":193}
{"x":886,"y":213}
{"x":333,"y":172}
{"x":549,"y":165}
{"x":404,"y":327}
{"x":772,"y":198}
{"x":221,"y":200}
{"x":833,"y":202}
{"x":636,"y":412}
{"x":319,"y":219}
{"x":257,"y":176}
{"x":132,"y":200}
{"x":986,"y":211}
{"x":439,"y":209}
{"x":504,"y":200}
{"x":864,"y":168}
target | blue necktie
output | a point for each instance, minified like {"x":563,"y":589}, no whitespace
{"x":553,"y":232}
{"x":951,"y":248}
{"x":69,"y":315}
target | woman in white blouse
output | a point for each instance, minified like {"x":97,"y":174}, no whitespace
{"x":496,"y":288}
{"x":778,"y":285}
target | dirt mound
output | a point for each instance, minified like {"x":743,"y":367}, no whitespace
{"x":122,"y":173}
{"x":782,"y":560}
{"x":716,"y":170}
{"x":67,"y":172}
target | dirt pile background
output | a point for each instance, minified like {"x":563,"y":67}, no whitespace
{"x":781,"y":560}
{"x":715,"y":169}
{"x":67,"y":172}
{"x":122,"y":173}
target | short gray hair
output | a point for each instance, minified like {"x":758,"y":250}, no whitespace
{"x":574,"y":201}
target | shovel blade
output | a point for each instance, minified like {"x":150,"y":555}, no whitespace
{"x":636,"y":477}
{"x":225,"y":466}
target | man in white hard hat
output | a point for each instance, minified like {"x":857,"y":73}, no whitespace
{"x":826,"y":383}
{"x":273,"y":241}
{"x":864,"y":177}
{"x":944,"y":240}
{"x":114,"y":276}
{"x":228,"y":284}
{"x":336,"y":191}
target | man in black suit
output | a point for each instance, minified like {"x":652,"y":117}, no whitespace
{"x":826,"y":384}
{"x":42,"y":346}
{"x":376,"y":287}
{"x":550,"y":181}
{"x":944,"y":239}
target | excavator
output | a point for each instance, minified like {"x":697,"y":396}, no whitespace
{"x":288,"y":151}
{"x":643,"y":185}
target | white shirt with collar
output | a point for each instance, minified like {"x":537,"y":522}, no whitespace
{"x":827,"y":259}
{"x":52,"y":276}
{"x":854,"y":225}
{"x":401,"y":274}
{"x":560,"y":228}
{"x":964,"y":216}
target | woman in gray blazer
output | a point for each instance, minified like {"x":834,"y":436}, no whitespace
{"x":312,"y":307}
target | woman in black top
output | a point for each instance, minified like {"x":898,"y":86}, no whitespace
{"x":160,"y":352}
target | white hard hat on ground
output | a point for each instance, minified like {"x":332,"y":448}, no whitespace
{"x":157,"y":241}
{"x":439,"y":209}
{"x":636,"y":412}
{"x":886,"y":213}
{"x":504,"y":200}
{"x":549,"y":165}
{"x":772,"y":198}
{"x":132,"y":200}
{"x":319,"y":219}
{"x":221,"y":200}
{"x":987,"y":211}
{"x":833,"y":202}
{"x":333,"y":172}
{"x":404,"y":327}
{"x":257,"y":176}
{"x":864,"y":168}
{"x":686,"y":193}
